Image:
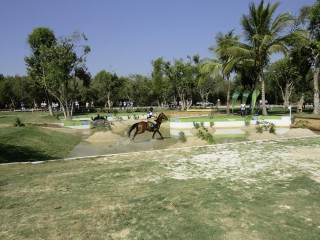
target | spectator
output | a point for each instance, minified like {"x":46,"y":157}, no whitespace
{"x":22,"y":107}
{"x":243,"y":110}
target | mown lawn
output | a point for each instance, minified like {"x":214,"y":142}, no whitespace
{"x":252,"y":190}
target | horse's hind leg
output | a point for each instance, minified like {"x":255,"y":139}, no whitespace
{"x":135,"y":134}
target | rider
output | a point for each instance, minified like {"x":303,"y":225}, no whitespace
{"x":150,"y":113}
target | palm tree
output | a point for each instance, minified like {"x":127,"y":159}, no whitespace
{"x":312,"y":14}
{"x":225,"y":63}
{"x":264,"y":35}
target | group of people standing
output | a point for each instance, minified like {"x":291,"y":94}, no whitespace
{"x":125,"y":104}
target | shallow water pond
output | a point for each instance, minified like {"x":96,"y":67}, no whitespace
{"x":143,"y":142}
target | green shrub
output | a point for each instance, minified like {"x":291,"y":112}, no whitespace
{"x":272,"y":128}
{"x":102,"y":127}
{"x":57,"y":114}
{"x":209,"y":138}
{"x":259,"y":129}
{"x":141,"y":109}
{"x":196,"y":125}
{"x":302,"y":123}
{"x":265,"y":126}
{"x":211,"y":114}
{"x":182,"y":137}
{"x":247,"y":122}
{"x":98,"y":117}
{"x":115,"y":111}
{"x":200,"y":134}
{"x":18,"y":123}
{"x":205,"y":135}
{"x":211,"y":124}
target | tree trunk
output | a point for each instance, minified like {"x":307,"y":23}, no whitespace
{"x":316,"y":109}
{"x":182,"y":100}
{"x":108,"y":100}
{"x":263,"y":95}
{"x":67,"y":110}
{"x":49,"y":104}
{"x":189,"y":104}
{"x":63,"y":110}
{"x":202,"y":95}
{"x":300,"y":103}
{"x":12,"y":105}
{"x":228,"y":96}
{"x":287,"y":94}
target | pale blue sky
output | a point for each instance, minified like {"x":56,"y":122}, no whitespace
{"x":124,"y":35}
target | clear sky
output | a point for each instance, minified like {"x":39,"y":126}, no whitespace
{"x":124,"y":35}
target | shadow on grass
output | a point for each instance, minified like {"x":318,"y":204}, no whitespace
{"x":11,"y":153}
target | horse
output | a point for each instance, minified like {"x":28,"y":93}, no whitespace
{"x":141,"y":127}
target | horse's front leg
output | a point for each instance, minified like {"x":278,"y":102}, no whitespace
{"x":157,"y":132}
{"x":153,"y":134}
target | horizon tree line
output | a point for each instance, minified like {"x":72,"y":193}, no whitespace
{"x":56,"y":68}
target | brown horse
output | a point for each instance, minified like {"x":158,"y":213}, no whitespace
{"x":141,"y":127}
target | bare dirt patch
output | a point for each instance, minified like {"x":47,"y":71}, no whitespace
{"x":104,"y":137}
{"x":191,"y":142}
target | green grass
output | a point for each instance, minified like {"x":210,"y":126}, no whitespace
{"x":75,"y":123}
{"x":33,"y":142}
{"x":225,"y":119}
{"x":121,"y":114}
{"x":8,"y":118}
{"x":229,"y":135}
{"x":241,"y":191}
{"x":30,"y":143}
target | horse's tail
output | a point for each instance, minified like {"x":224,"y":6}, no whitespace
{"x":131,"y":128}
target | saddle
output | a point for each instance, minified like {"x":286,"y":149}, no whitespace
{"x":152,"y":125}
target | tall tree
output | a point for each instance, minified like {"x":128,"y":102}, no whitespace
{"x":106,"y":84}
{"x":14,"y":90}
{"x":285,"y":75}
{"x":39,"y":39}
{"x":57,"y":64}
{"x":141,"y":89}
{"x":207,"y":84}
{"x":265,"y":34}
{"x":313,"y":15}
{"x":158,"y":77}
{"x":183,"y":77}
{"x":225,"y":63}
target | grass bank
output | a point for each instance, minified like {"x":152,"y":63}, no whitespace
{"x":30,"y":143}
{"x":33,"y":142}
{"x":253,"y":190}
